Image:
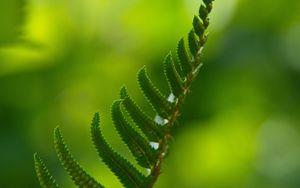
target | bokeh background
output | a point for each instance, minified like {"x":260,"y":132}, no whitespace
{"x":63,"y":60}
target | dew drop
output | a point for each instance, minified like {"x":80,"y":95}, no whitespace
{"x":154,"y":145}
{"x":171,"y":98}
{"x":148,"y":171}
{"x":159,"y":120}
{"x":166,"y":121}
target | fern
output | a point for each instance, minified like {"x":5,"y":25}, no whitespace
{"x":45,"y":178}
{"x":153,"y":131}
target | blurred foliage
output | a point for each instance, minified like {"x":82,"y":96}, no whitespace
{"x":12,"y":16}
{"x":60,"y":61}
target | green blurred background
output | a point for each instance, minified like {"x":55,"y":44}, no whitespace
{"x":63,"y":60}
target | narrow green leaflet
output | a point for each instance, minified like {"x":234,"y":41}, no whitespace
{"x":129,"y":176}
{"x":173,"y":78}
{"x":45,"y":178}
{"x":150,"y":128}
{"x":139,"y":147}
{"x":203,"y":13}
{"x":79,"y":176}
{"x":179,"y":70}
{"x":193,"y":43}
{"x":161,"y":105}
{"x":198,"y":27}
{"x":184,"y":60}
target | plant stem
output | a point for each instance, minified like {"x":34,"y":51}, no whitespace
{"x":164,"y":143}
{"x":196,"y":61}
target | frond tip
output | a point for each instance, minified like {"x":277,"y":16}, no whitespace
{"x":45,"y":178}
{"x":79,"y":176}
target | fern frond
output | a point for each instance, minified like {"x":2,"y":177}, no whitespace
{"x":139,"y":147}
{"x":150,"y":128}
{"x":125,"y":171}
{"x":160,"y":103}
{"x":45,"y":178}
{"x":184,"y":59}
{"x":179,"y":75}
{"x":79,"y":176}
{"x":173,"y":78}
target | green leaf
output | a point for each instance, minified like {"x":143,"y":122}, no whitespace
{"x":128,"y":175}
{"x":179,"y":70}
{"x":184,"y":60}
{"x":203,"y":13}
{"x":174,"y":80}
{"x":79,"y":176}
{"x":193,"y":43}
{"x":150,"y":128}
{"x":45,"y":178}
{"x":198,"y":27}
{"x":161,"y":105}
{"x":139,"y":147}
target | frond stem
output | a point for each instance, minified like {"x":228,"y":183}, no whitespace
{"x":164,"y":143}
